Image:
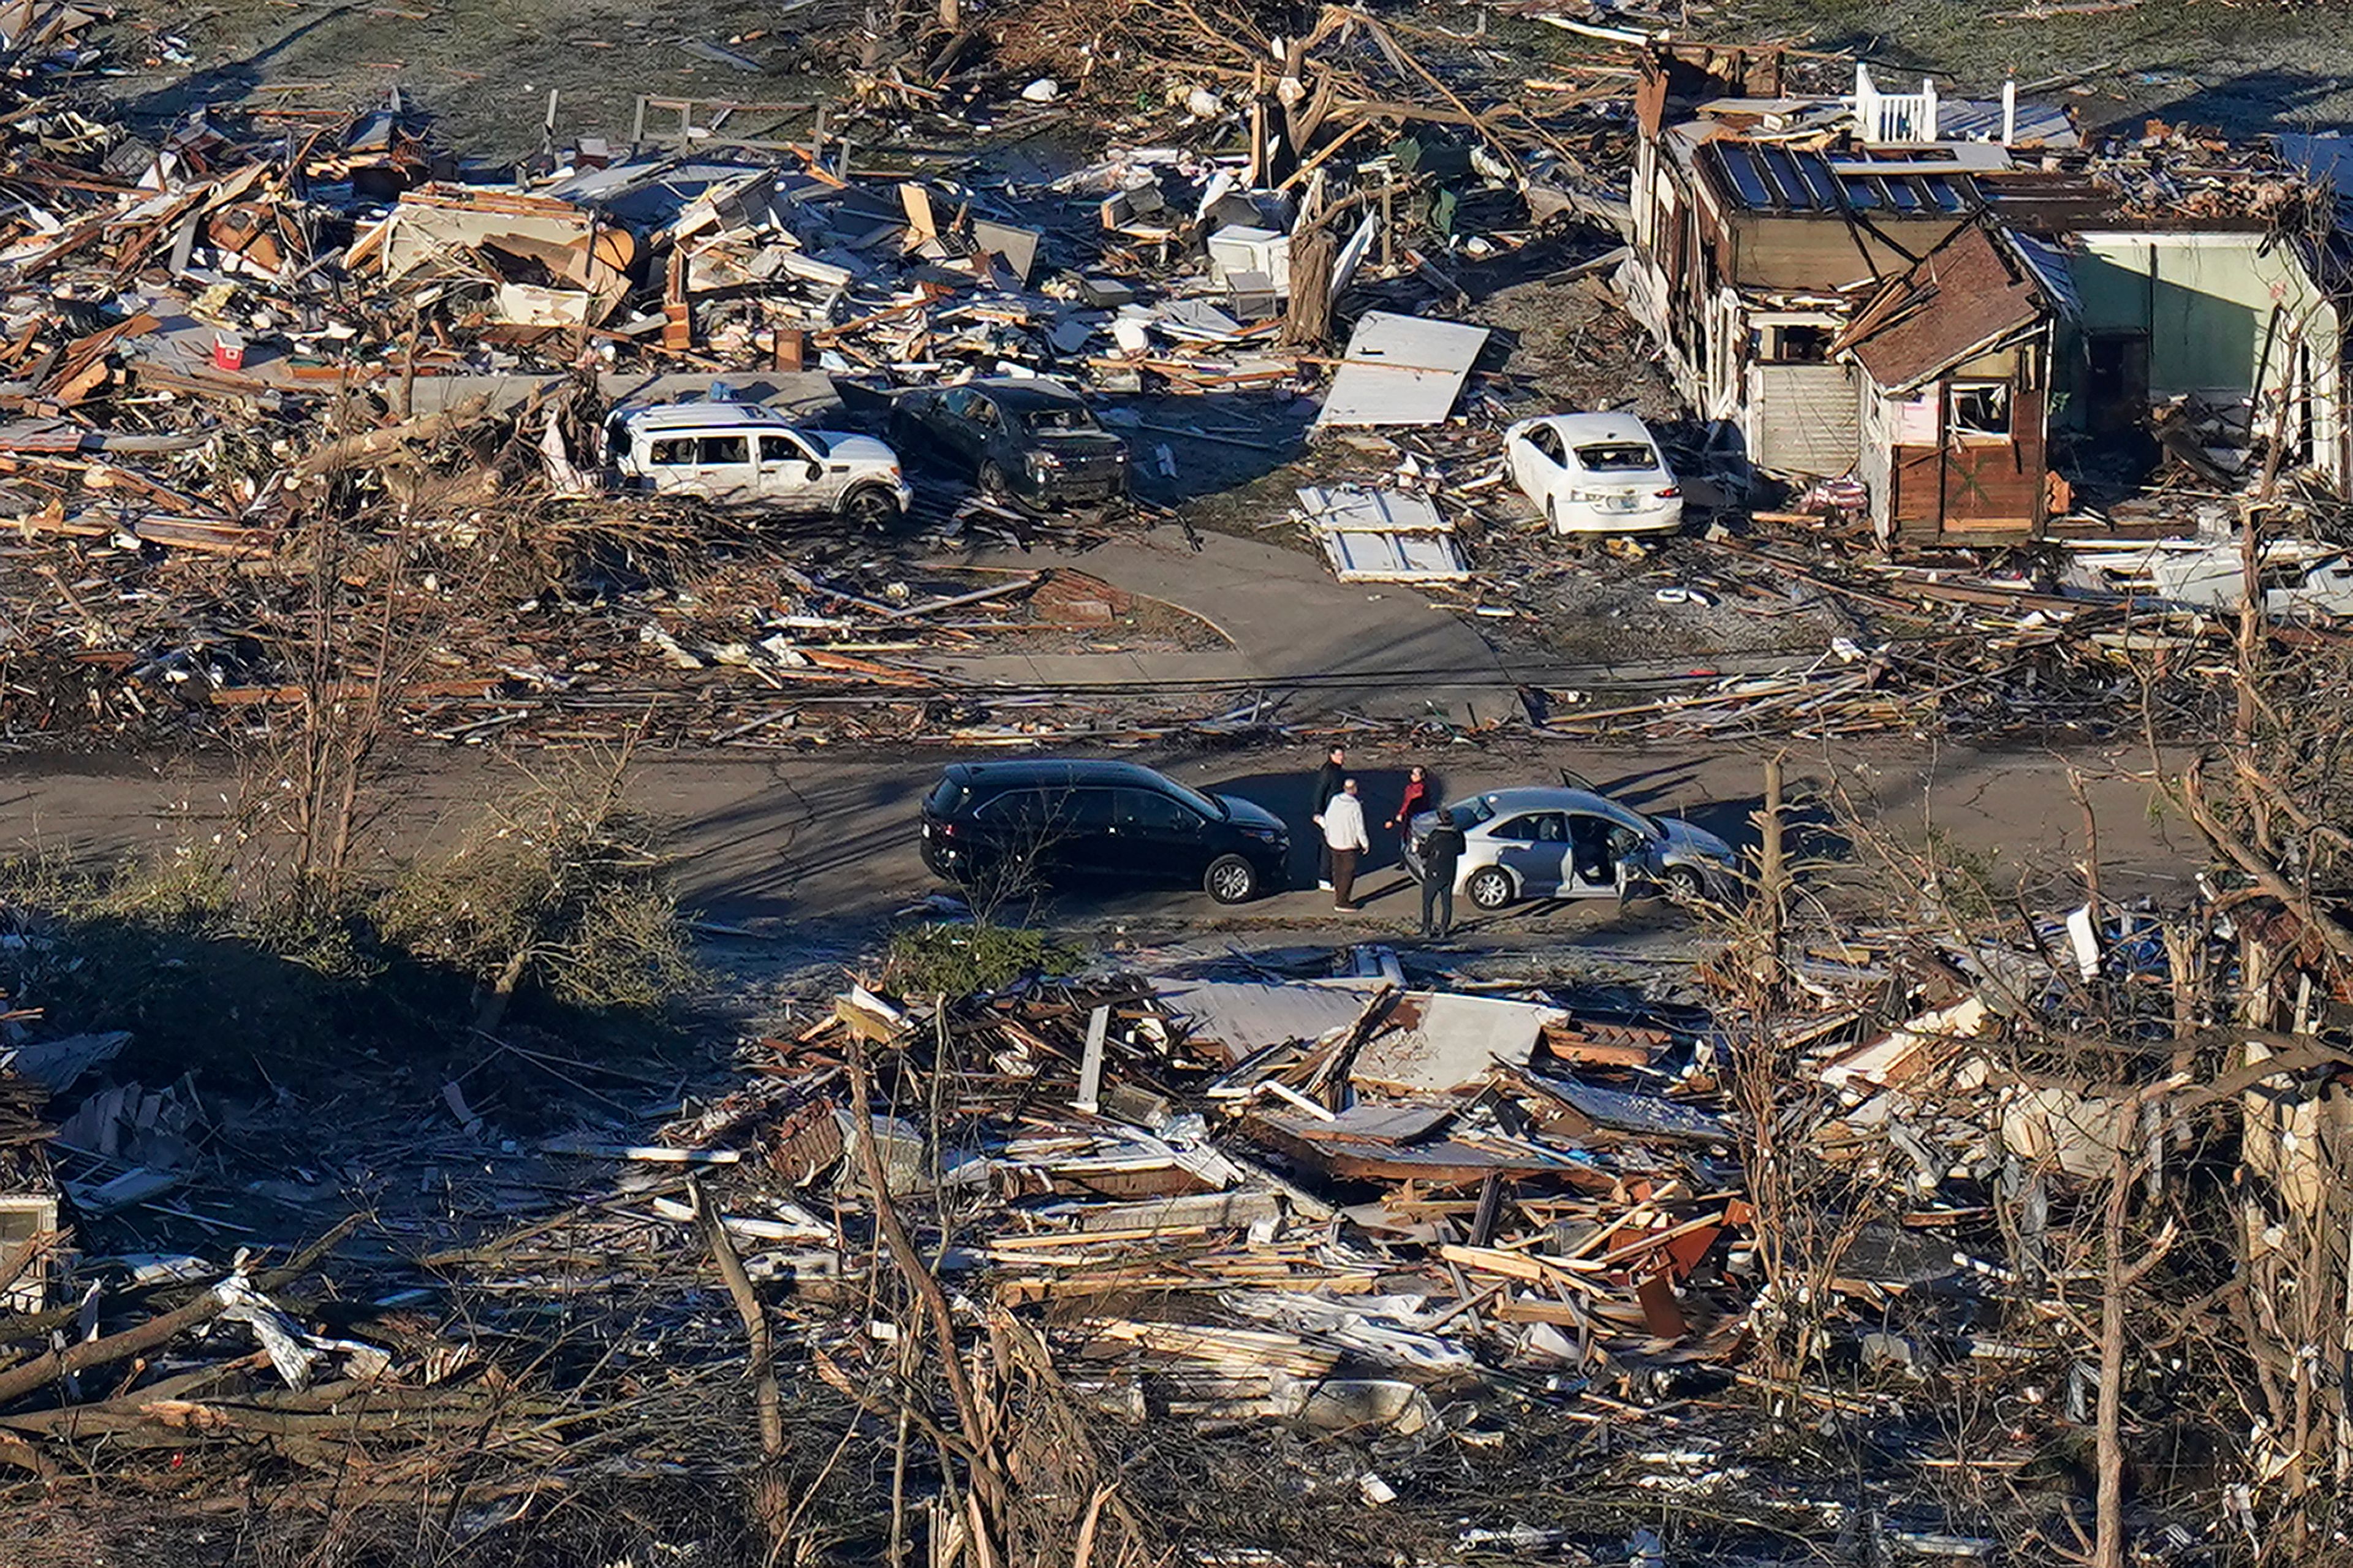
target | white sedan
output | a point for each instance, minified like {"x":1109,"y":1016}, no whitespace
{"x":1544,"y":843}
{"x":1594,"y":473}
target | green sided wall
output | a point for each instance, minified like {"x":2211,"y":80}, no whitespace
{"x":2204,"y":302}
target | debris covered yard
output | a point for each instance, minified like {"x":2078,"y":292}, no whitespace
{"x":944,"y":382}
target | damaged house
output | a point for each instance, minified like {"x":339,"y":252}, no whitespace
{"x":1937,"y":295}
{"x":1951,"y":360}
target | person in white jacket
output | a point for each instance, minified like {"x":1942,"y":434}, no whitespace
{"x":1343,"y":835}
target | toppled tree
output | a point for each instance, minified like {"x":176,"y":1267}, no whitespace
{"x":559,"y":889}
{"x":2142,"y":1108}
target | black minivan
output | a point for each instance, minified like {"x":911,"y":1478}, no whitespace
{"x":1121,"y":821}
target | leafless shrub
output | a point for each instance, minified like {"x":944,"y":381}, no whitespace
{"x":557,"y":887}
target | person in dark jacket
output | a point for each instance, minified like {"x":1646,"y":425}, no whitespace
{"x":1441,"y":857}
{"x":1328,"y":780}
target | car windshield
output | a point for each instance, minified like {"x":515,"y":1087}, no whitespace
{"x":946,"y":796}
{"x":1208,"y":806}
{"x":1061,"y":419}
{"x":1618,"y":813}
{"x":817,"y":442}
{"x":1468,"y":814}
{"x":1617,"y":457}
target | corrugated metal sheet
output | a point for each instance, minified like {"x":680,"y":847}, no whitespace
{"x":1402,"y":369}
{"x":2328,"y":159}
{"x":1645,"y":1114}
{"x":1382,"y":536}
{"x":1804,"y":419}
{"x":2051,"y":267}
{"x":1980,"y":119}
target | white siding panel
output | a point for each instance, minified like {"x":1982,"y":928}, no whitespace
{"x":1801,"y":418}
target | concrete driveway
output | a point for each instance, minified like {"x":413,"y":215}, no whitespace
{"x":1320,"y":645}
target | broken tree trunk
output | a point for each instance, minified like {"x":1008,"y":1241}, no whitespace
{"x":2108,"y":1546}
{"x":351,"y":451}
{"x":2266,"y":875}
{"x":987,"y":1495}
{"x":1772,"y":878}
{"x":770,"y":1498}
{"x":1307,"y":323}
{"x":34,"y":1372}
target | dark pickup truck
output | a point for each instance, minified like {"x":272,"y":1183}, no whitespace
{"x":1031,"y":441}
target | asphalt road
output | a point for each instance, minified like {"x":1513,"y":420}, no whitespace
{"x":820,"y":846}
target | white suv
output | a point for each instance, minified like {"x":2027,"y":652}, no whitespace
{"x":745,"y":453}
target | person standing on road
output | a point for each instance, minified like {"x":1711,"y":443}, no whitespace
{"x":1328,"y":779}
{"x":1416,"y":800}
{"x":1343,"y":836}
{"x":1441,"y":856}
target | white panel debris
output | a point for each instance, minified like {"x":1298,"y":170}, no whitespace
{"x":1382,"y":536}
{"x":1402,"y":369}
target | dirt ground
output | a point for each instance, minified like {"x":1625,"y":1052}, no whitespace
{"x":483,"y":72}
{"x":2242,"y":68}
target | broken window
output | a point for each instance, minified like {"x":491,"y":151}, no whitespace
{"x":1793,"y":343}
{"x":1061,"y":421}
{"x":780,"y":449}
{"x":676,"y":452}
{"x":1617,"y":457}
{"x":1980,"y":409}
{"x":726,"y":449}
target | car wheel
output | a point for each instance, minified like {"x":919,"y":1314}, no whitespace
{"x":871,"y":507}
{"x":1231,"y":880}
{"x":1490,"y":887}
{"x":1684,"y":883}
{"x":994,"y":484}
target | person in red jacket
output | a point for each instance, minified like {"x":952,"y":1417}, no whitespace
{"x":1416,"y":800}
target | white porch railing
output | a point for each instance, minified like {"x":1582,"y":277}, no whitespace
{"x":1894,"y":116}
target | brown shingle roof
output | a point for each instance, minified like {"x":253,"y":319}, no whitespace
{"x":1962,"y":298}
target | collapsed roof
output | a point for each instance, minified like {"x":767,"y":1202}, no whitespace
{"x":1956,"y":303}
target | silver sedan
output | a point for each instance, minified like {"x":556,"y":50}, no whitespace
{"x":1552,"y":843}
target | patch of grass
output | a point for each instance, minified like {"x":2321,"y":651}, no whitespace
{"x":557,"y":889}
{"x":967,"y":960}
{"x":221,"y":966}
